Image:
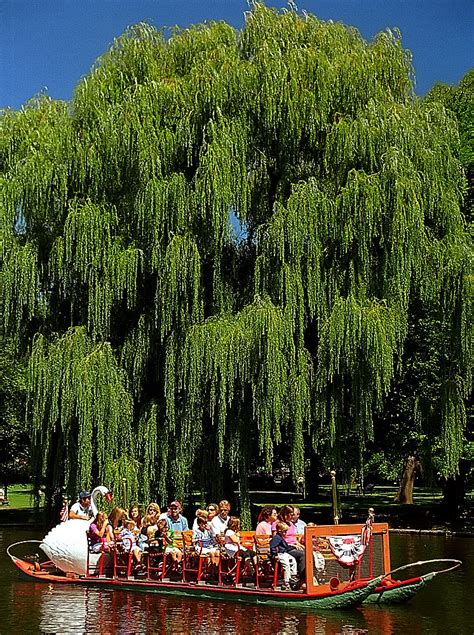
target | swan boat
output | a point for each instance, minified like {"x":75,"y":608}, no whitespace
{"x":66,"y":544}
{"x":356,"y":570}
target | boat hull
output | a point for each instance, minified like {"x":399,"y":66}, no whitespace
{"x":325,"y":599}
{"x":399,"y":592}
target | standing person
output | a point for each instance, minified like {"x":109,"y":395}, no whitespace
{"x":81,"y":510}
{"x":281,"y":550}
{"x":176,"y":521}
{"x":218,"y":524}
{"x":298,"y":523}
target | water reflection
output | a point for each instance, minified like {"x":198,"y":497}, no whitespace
{"x":80,"y":610}
{"x":445,"y":606}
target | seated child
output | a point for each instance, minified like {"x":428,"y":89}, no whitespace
{"x":166,"y":536}
{"x":147,"y":532}
{"x":200,"y":513}
{"x":232,"y":544}
{"x":318,"y":558}
{"x":129,"y":539}
{"x":100,"y":533}
{"x":281,"y":550}
{"x":205,"y":541}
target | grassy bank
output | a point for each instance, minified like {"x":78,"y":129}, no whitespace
{"x":20,"y":497}
{"x":427,"y":512}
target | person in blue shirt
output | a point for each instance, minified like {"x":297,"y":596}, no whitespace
{"x":176,"y":521}
{"x":298,"y":523}
{"x":291,"y":560}
{"x":204,"y":541}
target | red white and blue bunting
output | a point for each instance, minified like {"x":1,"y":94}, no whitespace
{"x":347,"y":549}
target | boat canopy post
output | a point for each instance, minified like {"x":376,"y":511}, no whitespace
{"x":335,"y":510}
{"x":310,"y":534}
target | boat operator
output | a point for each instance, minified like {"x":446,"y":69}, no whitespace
{"x":81,"y":510}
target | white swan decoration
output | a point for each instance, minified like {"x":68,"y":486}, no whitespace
{"x":66,"y":544}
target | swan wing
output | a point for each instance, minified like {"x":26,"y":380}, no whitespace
{"x":66,"y":546}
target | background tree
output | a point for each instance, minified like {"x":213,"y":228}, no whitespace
{"x":14,"y":438}
{"x":410,"y":426}
{"x":167,"y":351}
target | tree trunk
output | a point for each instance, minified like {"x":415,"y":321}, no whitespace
{"x":454,"y":491}
{"x":405,"y":491}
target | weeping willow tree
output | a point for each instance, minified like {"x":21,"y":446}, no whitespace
{"x":169,"y":351}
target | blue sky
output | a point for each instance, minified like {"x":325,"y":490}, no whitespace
{"x":48,"y":45}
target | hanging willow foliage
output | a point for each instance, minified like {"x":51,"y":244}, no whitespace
{"x":78,"y":392}
{"x":160,"y":342}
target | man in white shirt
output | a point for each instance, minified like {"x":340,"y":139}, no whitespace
{"x":81,"y":510}
{"x":297,"y":522}
{"x":218,"y":524}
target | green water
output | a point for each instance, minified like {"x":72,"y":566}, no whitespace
{"x":446,"y":605}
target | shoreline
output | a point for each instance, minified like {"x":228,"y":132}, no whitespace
{"x":462,"y":533}
{"x":28,"y":518}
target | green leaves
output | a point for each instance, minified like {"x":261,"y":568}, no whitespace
{"x":77,"y":390}
{"x":115,"y":224}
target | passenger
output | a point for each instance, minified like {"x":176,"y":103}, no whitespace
{"x":165,"y":534}
{"x":205,"y":542}
{"x":318,"y":558}
{"x":281,"y":550}
{"x":200,"y":513}
{"x":149,"y":522}
{"x":135,"y":514}
{"x":100,"y":534}
{"x":147,"y":531}
{"x":116,"y":518}
{"x":174,"y":518}
{"x":153,"y":510}
{"x":232,"y":544}
{"x":298,"y":523}
{"x":266,"y":518}
{"x":212,"y":510}
{"x":129,"y":540}
{"x":218,"y":524}
{"x":81,"y":510}
{"x":285,"y":515}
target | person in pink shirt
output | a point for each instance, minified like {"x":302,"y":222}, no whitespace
{"x":285,"y":515}
{"x":266,"y":518}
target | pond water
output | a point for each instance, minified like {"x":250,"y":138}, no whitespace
{"x":446,"y":605}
